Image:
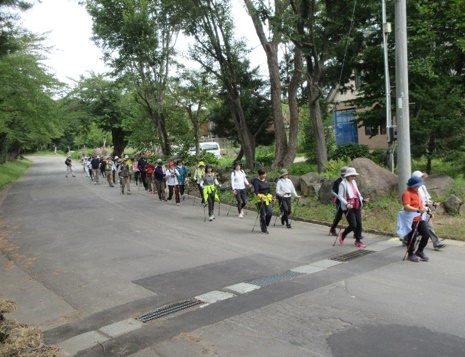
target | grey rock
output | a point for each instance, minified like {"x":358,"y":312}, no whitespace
{"x":310,"y":184}
{"x":452,"y":204}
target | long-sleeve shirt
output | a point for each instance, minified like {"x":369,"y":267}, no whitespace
{"x":346,"y":192}
{"x":159,"y":173}
{"x":285,"y":188}
{"x":172,"y":177}
{"x":238,"y":180}
{"x":261,"y":187}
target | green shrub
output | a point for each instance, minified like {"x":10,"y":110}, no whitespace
{"x":350,"y":151}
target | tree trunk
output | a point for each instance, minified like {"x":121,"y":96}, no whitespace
{"x":3,"y":147}
{"x":317,"y":123}
{"x":293,"y":108}
{"x":119,"y":142}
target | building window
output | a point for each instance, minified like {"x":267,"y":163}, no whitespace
{"x":382,"y":130}
{"x":371,"y":130}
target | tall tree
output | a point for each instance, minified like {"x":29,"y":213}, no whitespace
{"x":216,"y":50}
{"x":436,"y":79}
{"x":329,"y":34}
{"x":268,"y":17}
{"x":102,"y":101}
{"x":138,"y":38}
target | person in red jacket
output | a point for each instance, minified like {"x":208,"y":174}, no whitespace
{"x":149,"y":170}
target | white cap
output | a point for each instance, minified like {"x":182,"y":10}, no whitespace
{"x":419,"y":174}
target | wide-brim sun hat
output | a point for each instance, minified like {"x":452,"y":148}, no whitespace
{"x":351,"y":172}
{"x":283,"y":173}
{"x":414,"y":181}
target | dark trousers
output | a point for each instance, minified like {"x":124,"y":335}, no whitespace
{"x":181,"y":189}
{"x":354,"y":218}
{"x":201,"y":192}
{"x":422,"y":231}
{"x":211,"y":203}
{"x":137,"y":176}
{"x":266,"y":211}
{"x":143,"y":180}
{"x":285,"y":207}
{"x":337,"y":216}
{"x":171,"y":190}
{"x":241,"y":198}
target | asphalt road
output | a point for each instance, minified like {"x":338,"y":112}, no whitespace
{"x":85,"y":263}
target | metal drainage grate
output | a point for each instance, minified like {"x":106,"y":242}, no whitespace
{"x":169,"y":309}
{"x":268,"y":280}
{"x":351,"y":255}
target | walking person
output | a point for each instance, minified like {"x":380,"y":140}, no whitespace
{"x":69,"y":166}
{"x":124,"y":172}
{"x":159,"y":176}
{"x":198,"y":174}
{"x":141,"y":164}
{"x":113,"y":169}
{"x":109,"y":165}
{"x":172,"y":181}
{"x":263,"y":199}
{"x":96,"y":164}
{"x":428,"y":202}
{"x":285,"y":190}
{"x":334,"y":193}
{"x":208,"y":183}
{"x":149,"y":169}
{"x":135,"y":169}
{"x":183,"y":172}
{"x":351,"y":202}
{"x":412,"y":202}
{"x":238,"y":184}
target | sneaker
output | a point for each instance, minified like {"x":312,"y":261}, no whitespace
{"x":150,"y":191}
{"x":360,"y":244}
{"x":341,"y":238}
{"x":439,"y":246}
{"x":183,"y":197}
{"x":178,"y":204}
{"x":282,"y":220}
{"x":332,"y":232}
{"x":413,"y":258}
{"x":265,"y":231}
{"x":210,"y":218}
{"x":422,"y":256}
{"x":288,"y":225}
{"x":213,"y":216}
{"x":241,"y":215}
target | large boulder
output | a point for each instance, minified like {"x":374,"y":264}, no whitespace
{"x":324,"y":194}
{"x":296,"y":181}
{"x":438,"y":184}
{"x":310,"y":184}
{"x":374,"y":181}
{"x":452,"y":204}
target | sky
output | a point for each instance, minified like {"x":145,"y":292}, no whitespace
{"x":70,"y":29}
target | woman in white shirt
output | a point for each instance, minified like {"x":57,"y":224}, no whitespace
{"x":238,"y":185}
{"x":285,"y":190}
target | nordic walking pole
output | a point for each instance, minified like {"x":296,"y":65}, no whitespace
{"x":340,"y":229}
{"x":412,"y":239}
{"x":258,"y":214}
{"x":279,"y":211}
{"x":293,"y":211}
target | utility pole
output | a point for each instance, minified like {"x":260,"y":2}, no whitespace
{"x":390,"y":128}
{"x":402,"y":97}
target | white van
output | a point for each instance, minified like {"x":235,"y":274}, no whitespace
{"x":212,"y":147}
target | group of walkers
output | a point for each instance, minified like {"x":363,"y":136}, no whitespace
{"x":415,"y":225}
{"x":414,"y":221}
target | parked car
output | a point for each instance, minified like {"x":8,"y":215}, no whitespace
{"x":211,"y":147}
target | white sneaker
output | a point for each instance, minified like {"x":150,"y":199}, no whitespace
{"x":213,"y":216}
{"x":210,"y":218}
{"x":241,"y":215}
{"x":178,"y":204}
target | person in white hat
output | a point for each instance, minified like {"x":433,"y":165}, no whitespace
{"x":351,"y":203}
{"x":428,"y":202}
{"x":285,"y":190}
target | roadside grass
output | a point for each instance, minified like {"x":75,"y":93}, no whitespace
{"x":11,"y":171}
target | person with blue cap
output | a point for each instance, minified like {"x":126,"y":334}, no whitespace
{"x":413,"y":203}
